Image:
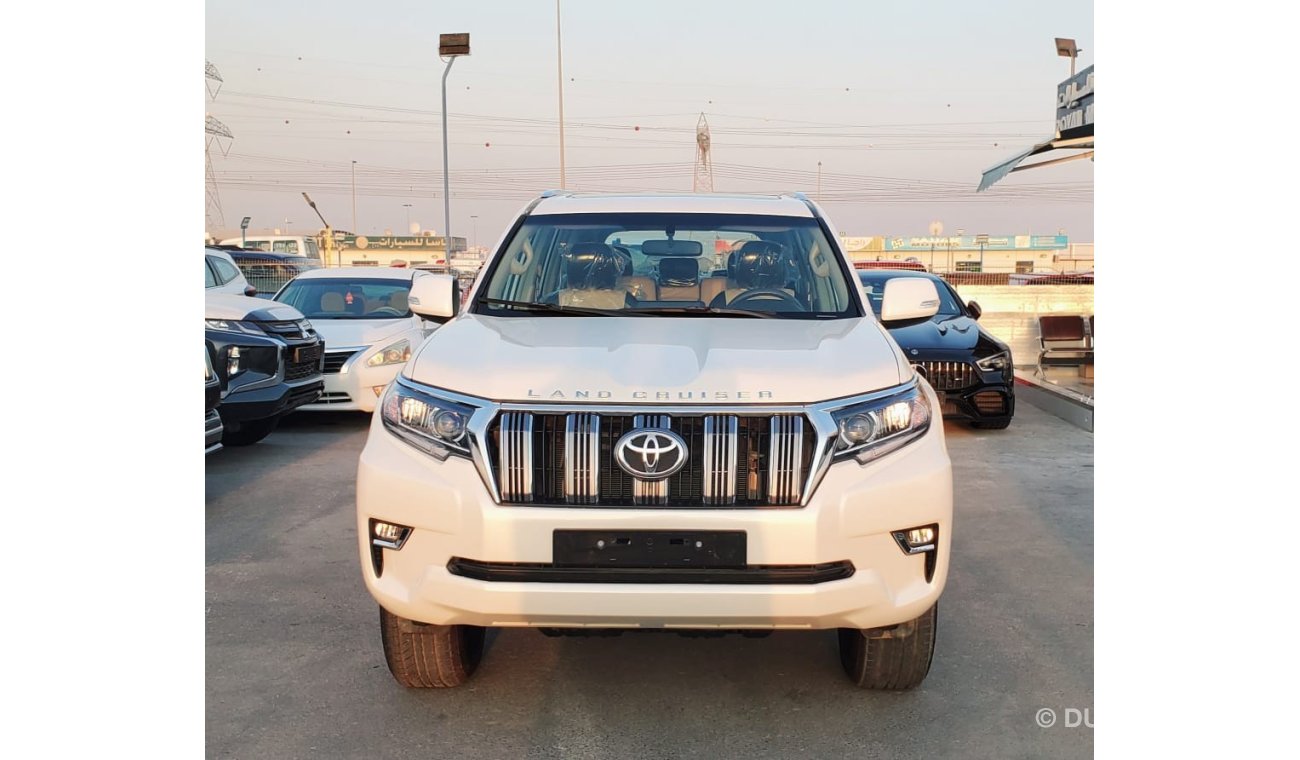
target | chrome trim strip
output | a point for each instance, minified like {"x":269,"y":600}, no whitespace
{"x":516,"y":447}
{"x":581,"y":458}
{"x":720,"y":453}
{"x":651,"y":491}
{"x":785,"y":459}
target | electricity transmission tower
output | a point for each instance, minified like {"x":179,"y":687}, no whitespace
{"x":703,"y":158}
{"x":214,"y":132}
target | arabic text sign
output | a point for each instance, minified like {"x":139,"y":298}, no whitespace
{"x":971,"y":242}
{"x":1074,"y":106}
{"x":400,"y":243}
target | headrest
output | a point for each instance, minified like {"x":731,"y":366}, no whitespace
{"x":592,"y":265}
{"x":678,"y":272}
{"x":331,"y":302}
{"x":761,"y":264}
{"x":672,"y":248}
{"x":399,"y":301}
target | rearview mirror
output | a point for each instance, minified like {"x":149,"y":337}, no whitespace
{"x":250,"y":291}
{"x":435,"y":297}
{"x":975,"y":310}
{"x":909,"y":298}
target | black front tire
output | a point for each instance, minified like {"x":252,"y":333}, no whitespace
{"x":991,"y":424}
{"x":423,"y":656}
{"x":896,"y":660}
{"x":250,"y":433}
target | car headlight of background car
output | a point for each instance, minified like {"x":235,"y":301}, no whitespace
{"x":996,"y":363}
{"x":397,"y":353}
{"x":434,"y":425}
{"x":234,"y":326}
{"x":871,"y":429}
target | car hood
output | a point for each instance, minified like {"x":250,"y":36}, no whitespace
{"x":937,"y":334}
{"x":227,"y":306}
{"x":658,"y":359}
{"x":358,"y":332}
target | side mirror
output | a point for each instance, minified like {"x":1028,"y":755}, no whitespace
{"x":250,"y":291}
{"x":435,"y":297}
{"x":975,"y":310}
{"x":909,"y":298}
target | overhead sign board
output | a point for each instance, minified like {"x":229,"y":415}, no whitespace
{"x":1074,"y":106}
{"x":972,"y":242}
{"x":453,"y":44}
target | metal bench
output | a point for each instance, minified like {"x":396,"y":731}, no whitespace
{"x":1064,"y":340}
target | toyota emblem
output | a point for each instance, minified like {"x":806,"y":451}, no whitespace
{"x":650,"y":454}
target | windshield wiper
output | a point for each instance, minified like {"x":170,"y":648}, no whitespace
{"x":552,"y":308}
{"x":713,"y":310}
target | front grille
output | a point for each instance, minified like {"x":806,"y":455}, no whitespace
{"x":547,"y":458}
{"x":290,"y":329}
{"x":307,"y":362}
{"x":334,"y":397}
{"x":948,"y":376}
{"x":334,"y":361}
{"x":304,"y":395}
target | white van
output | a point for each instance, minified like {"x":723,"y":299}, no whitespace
{"x":294,"y":245}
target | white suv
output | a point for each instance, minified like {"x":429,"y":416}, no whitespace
{"x":659,"y":411}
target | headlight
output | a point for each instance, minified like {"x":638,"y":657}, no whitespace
{"x":234,"y":326}
{"x":996,"y":362}
{"x":871,"y":429}
{"x":397,"y":353}
{"x":434,"y":425}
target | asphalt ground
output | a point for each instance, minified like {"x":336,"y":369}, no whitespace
{"x":295,"y":668}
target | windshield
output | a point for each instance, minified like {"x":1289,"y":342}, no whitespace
{"x":873,"y":284}
{"x":669,"y":264}
{"x":348,"y":298}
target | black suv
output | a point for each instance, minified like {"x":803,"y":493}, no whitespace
{"x":268,"y":359}
{"x":969,"y":368}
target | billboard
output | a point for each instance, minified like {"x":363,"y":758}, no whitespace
{"x":1074,"y":106}
{"x":972,"y":243}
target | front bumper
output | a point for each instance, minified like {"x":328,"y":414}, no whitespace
{"x":850,"y":518}
{"x":268,"y":401}
{"x":212,"y":432}
{"x":352,"y":389}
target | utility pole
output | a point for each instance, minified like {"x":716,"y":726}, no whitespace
{"x":819,"y":181}
{"x":354,"y":198}
{"x":408,"y":218}
{"x":474,"y":221}
{"x":559,"y":63}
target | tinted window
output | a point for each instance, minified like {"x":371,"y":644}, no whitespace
{"x":284,"y":246}
{"x":209,"y":279}
{"x":873,"y":284}
{"x":350,"y":298}
{"x":225,"y":270}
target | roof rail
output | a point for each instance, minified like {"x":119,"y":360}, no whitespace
{"x":553,"y":192}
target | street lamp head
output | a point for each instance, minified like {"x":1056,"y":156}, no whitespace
{"x":451,"y":45}
{"x":1066,"y":48}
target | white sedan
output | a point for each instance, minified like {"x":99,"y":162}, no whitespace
{"x":368,"y":329}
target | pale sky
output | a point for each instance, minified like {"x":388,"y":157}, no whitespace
{"x":903,"y":103}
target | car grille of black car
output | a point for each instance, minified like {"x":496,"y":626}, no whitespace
{"x":948,"y":376}
{"x":304,"y":395}
{"x":733,"y":460}
{"x":305,"y":364}
{"x":290,"y":329}
{"x":334,"y":361}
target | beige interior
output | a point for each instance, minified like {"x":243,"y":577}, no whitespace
{"x":594,"y":299}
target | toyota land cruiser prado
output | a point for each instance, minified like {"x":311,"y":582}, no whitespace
{"x":666,"y":412}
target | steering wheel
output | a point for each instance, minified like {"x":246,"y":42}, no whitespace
{"x":387,"y":310}
{"x":768,"y":294}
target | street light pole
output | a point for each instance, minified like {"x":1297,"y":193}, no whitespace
{"x":354,"y":197}
{"x":449,"y":46}
{"x":474,"y":220}
{"x":819,"y":181}
{"x":408,"y":218}
{"x":559,"y":63}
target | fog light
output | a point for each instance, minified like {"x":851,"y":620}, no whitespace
{"x":232,"y":362}
{"x":388,"y":535}
{"x":917,"y":540}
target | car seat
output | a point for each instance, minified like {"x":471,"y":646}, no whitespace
{"x":758,"y":265}
{"x":592,"y":271}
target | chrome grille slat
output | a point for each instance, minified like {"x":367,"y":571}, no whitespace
{"x":651,"y":491}
{"x":785,"y":459}
{"x":720,"y":459}
{"x":516,"y":447}
{"x":582,"y":458}
{"x":948,"y":375}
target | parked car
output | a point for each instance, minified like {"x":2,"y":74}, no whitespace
{"x":294,"y":245}
{"x":268,"y":272}
{"x":222,"y":275}
{"x":363,"y":315}
{"x":969,"y":368}
{"x":911,"y":266}
{"x":267,"y":357}
{"x":211,"y":397}
{"x":749,"y":454}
